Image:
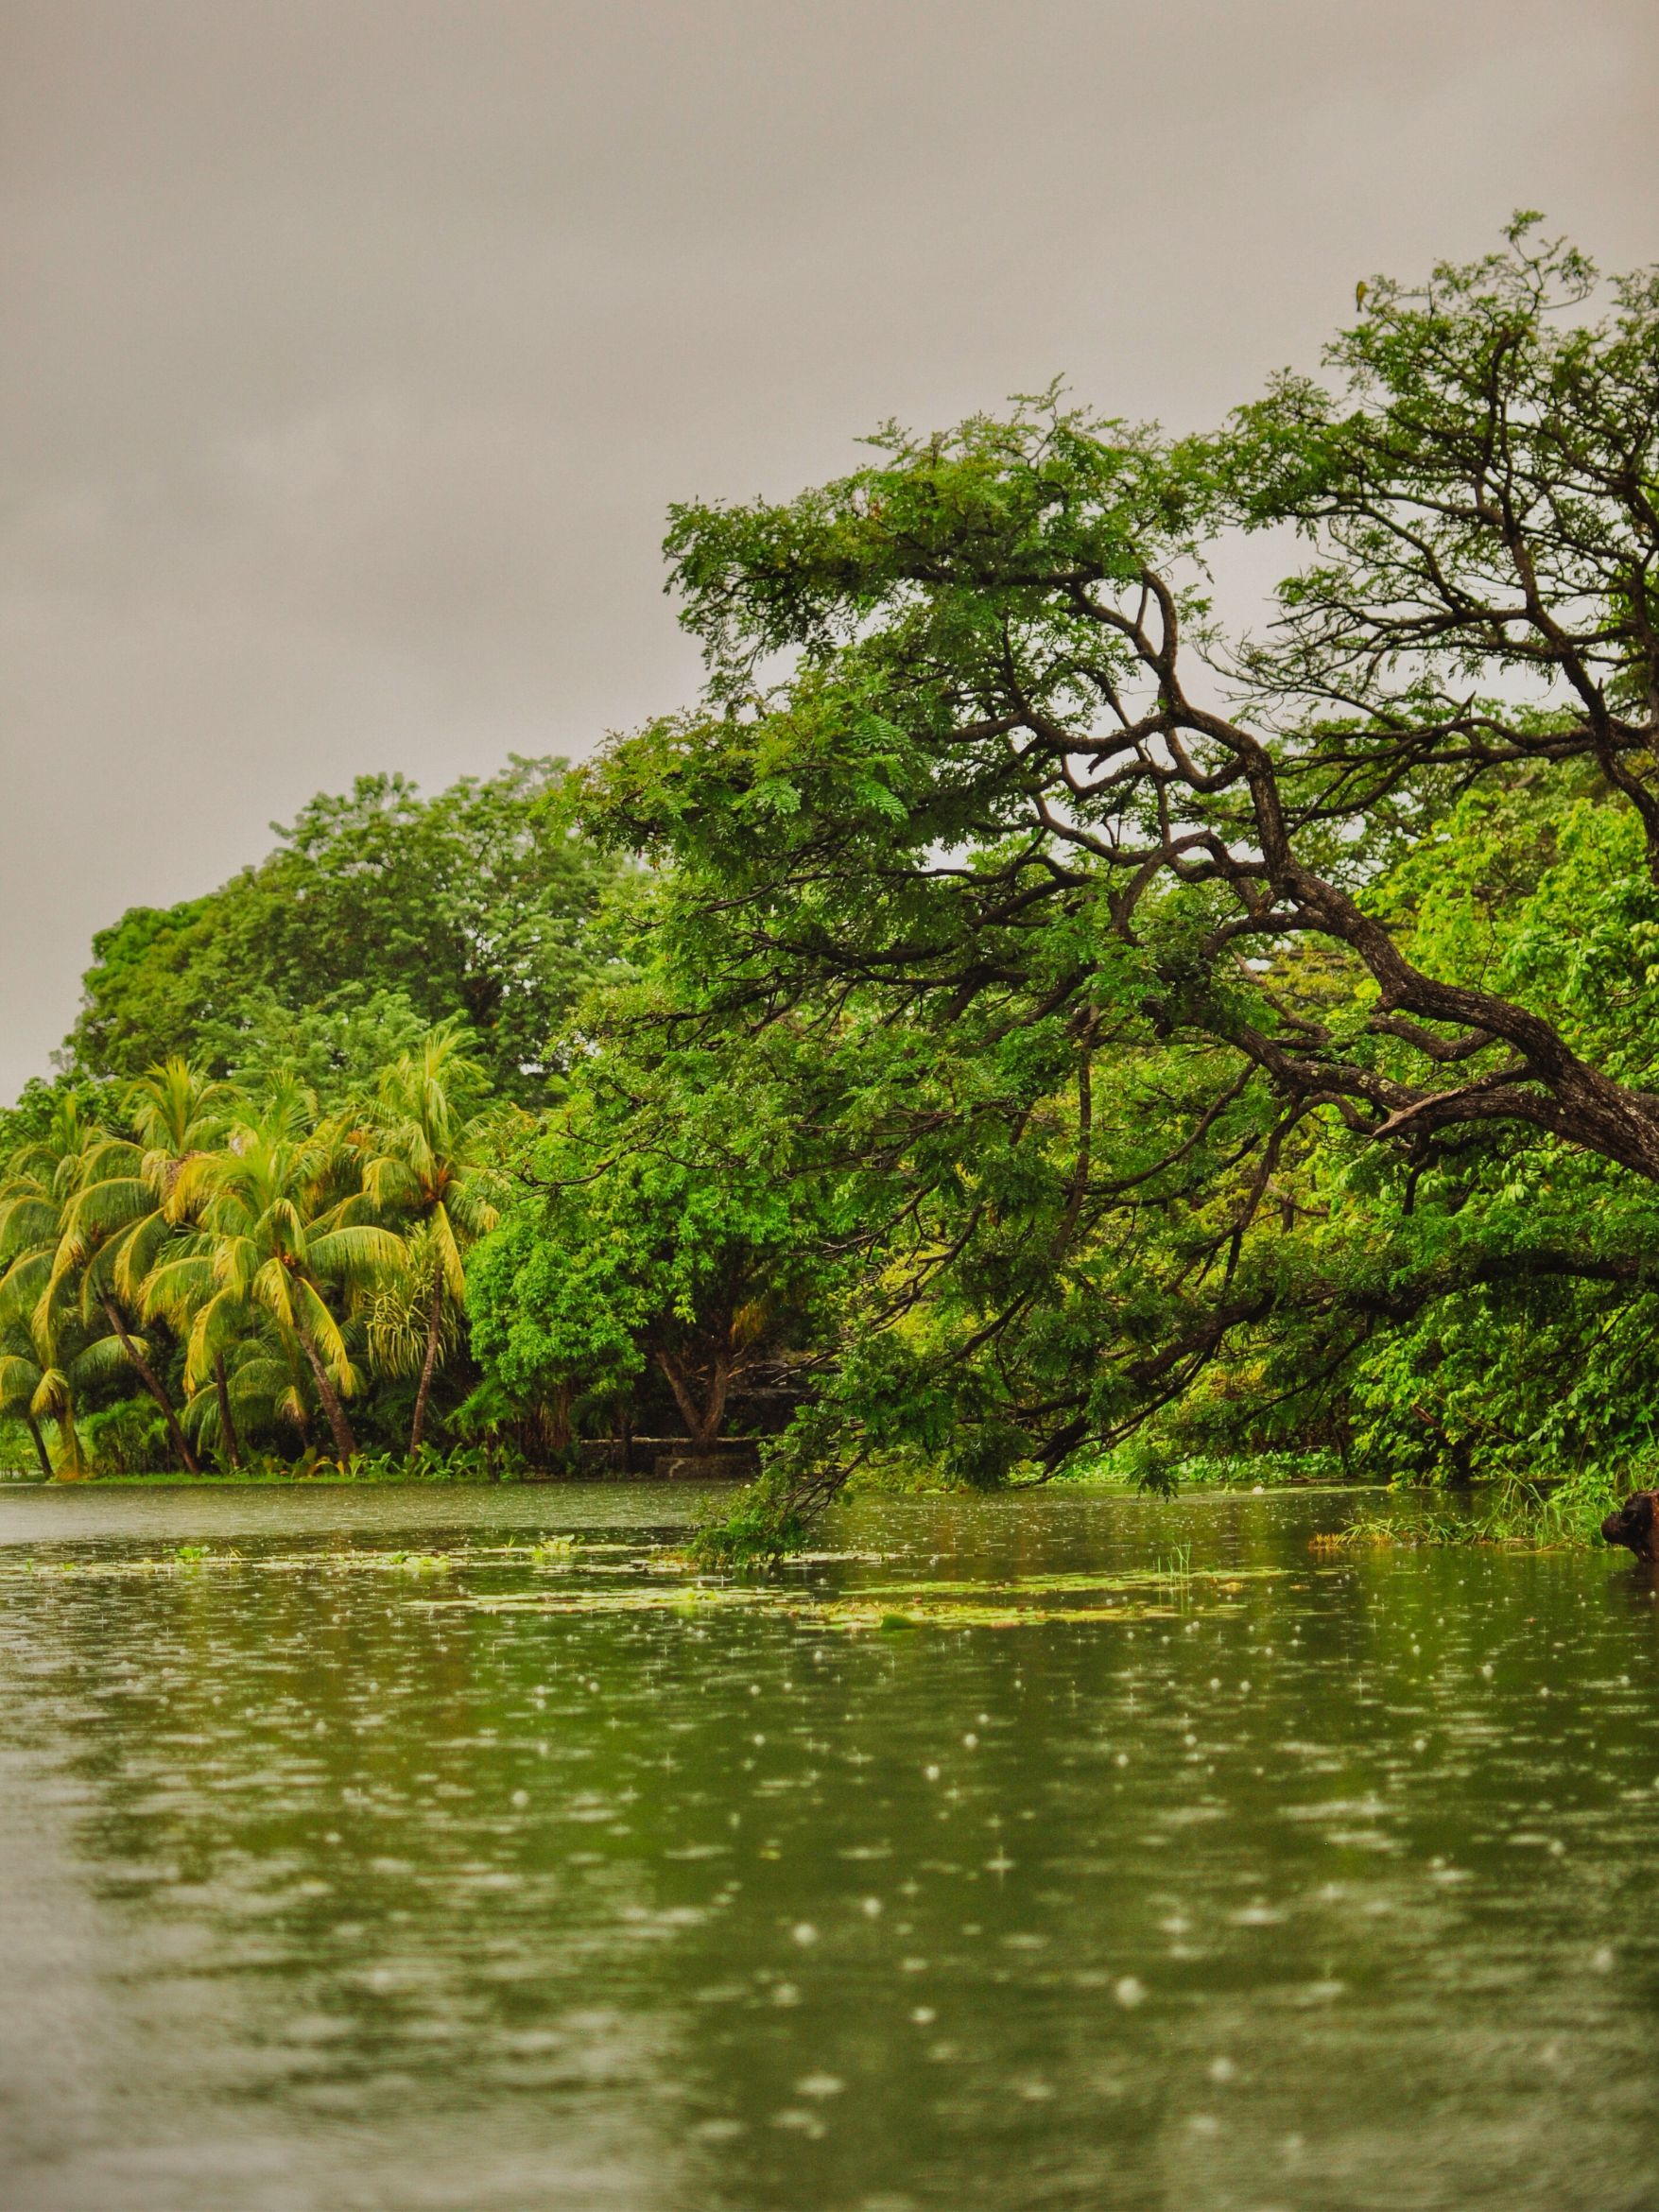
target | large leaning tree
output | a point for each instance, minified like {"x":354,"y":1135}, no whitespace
{"x":1065,"y":908}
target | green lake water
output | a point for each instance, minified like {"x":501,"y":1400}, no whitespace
{"x":1289,"y":1880}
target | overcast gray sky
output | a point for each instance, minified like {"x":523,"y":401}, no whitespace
{"x":350,"y":350}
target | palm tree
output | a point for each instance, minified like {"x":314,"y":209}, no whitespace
{"x":282,"y":1240}
{"x":20,"y":1379}
{"x":247,"y":1377}
{"x":49,"y":1351}
{"x":435,"y":1164}
{"x":133,"y":1195}
{"x":181,"y":1288}
{"x":45,"y":1369}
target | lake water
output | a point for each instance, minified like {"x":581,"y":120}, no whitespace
{"x":1285,"y":1880}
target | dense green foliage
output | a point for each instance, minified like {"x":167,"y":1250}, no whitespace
{"x":379,"y":914}
{"x":1234,"y":1042}
{"x":1046,"y":1033}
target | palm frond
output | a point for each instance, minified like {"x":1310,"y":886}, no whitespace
{"x":51,"y":1399}
{"x":99,"y":1208}
{"x":21,"y":1285}
{"x":28,"y":1221}
{"x":358,"y":1253}
{"x":19,"y":1380}
{"x":177,"y":1287}
{"x":323,"y":1332}
{"x":104,"y":1359}
{"x":137,"y":1254}
{"x":273,"y":1287}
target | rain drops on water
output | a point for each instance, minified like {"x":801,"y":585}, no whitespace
{"x":718,"y":2131}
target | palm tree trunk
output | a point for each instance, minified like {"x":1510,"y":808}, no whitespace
{"x":71,"y":1459}
{"x":38,"y":1441}
{"x":345,"y":1445}
{"x":433,"y":1327}
{"x":227,"y":1427}
{"x":147,"y":1377}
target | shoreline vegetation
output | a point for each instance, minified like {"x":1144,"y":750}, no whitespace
{"x":1512,"y":1518}
{"x":1009,"y":1030}
{"x":1496,"y":1515}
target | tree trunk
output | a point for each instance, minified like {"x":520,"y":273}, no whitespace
{"x":72,"y":1458}
{"x":703,"y":1423}
{"x":345,"y":1445}
{"x":433,"y":1327}
{"x":38,"y":1441}
{"x":146,"y":1376}
{"x":714,"y":1411}
{"x":227,"y":1427}
{"x":559,"y":1422}
{"x":1080,"y":1181}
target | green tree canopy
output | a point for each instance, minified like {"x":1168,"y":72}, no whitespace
{"x":1102,"y":924}
{"x":666,"y":1236}
{"x":379,"y":910}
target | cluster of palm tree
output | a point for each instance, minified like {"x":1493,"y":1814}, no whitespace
{"x":292,"y":1258}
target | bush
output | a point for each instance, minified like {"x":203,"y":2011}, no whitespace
{"x":128,"y":1438}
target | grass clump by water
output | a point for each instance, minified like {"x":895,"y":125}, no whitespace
{"x":1517,"y":1515}
{"x":1146,"y":1464}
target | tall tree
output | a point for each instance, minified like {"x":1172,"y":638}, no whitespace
{"x":665,"y":1231}
{"x":131,"y":1197}
{"x":288,"y":1238}
{"x":1017,"y":785}
{"x":435,"y":1164}
{"x":51,"y":1347}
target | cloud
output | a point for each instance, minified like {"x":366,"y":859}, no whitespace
{"x":354,"y":352}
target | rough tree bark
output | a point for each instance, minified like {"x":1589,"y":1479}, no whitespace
{"x":702,"y":1422}
{"x":38,"y":1441}
{"x":333,"y":1409}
